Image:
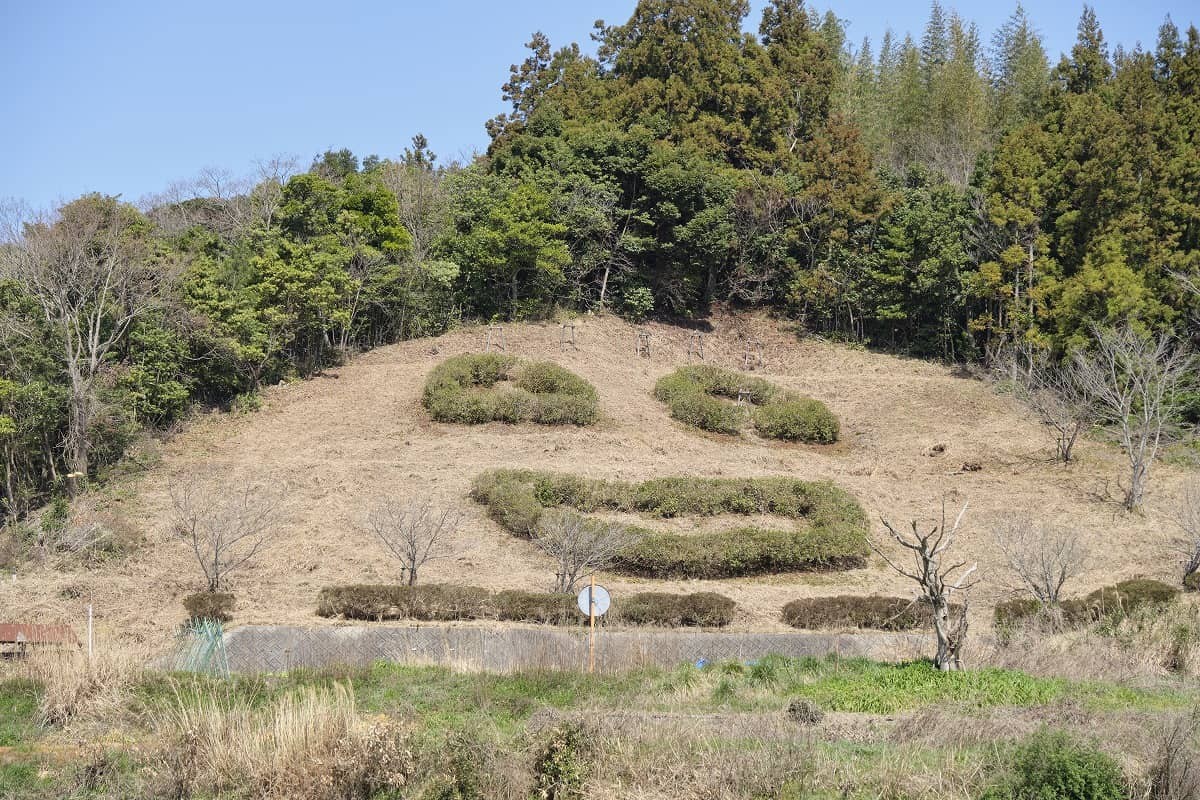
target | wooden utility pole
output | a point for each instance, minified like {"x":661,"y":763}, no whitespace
{"x":592,"y":626}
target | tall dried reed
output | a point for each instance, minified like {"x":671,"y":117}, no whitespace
{"x":308,"y":744}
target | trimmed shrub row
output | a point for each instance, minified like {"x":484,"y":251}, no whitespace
{"x":699,"y":395}
{"x":445,"y":602}
{"x":835,"y":536}
{"x":1108,"y":602}
{"x":463,"y":389}
{"x":851,"y":611}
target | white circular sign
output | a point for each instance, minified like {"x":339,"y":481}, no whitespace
{"x":601,"y":598}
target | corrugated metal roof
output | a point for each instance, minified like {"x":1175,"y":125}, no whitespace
{"x":11,"y":633}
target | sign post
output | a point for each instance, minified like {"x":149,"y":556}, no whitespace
{"x":593,"y":601}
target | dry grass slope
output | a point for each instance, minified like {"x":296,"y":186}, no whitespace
{"x":339,"y":441}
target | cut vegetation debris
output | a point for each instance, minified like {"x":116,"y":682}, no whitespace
{"x":700,"y":396}
{"x":833,"y":536}
{"x":465,"y":389}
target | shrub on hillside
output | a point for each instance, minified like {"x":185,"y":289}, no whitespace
{"x":428,"y":602}
{"x":699,"y":609}
{"x":515,"y":605}
{"x":851,"y":611}
{"x":444,"y":602}
{"x":1109,"y":602}
{"x":835,"y":536}
{"x":802,"y":419}
{"x":215,"y":606}
{"x":699,"y":395}
{"x":738,"y":552}
{"x":1054,"y":765}
{"x":463,"y":389}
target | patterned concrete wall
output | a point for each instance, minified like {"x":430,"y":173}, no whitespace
{"x":268,"y":648}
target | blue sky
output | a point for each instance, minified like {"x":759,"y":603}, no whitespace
{"x":126,"y":97}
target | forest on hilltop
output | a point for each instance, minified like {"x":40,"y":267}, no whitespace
{"x":942,"y":197}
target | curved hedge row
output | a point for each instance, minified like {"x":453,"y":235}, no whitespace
{"x":698,"y":395}
{"x":1107,"y":602}
{"x":835,"y":536}
{"x":463,"y":389}
{"x":445,"y":602}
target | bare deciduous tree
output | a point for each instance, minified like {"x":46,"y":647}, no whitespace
{"x":225,"y":527}
{"x":1187,"y":545}
{"x":939,"y":582}
{"x":421,"y":196}
{"x":1053,"y":389}
{"x":1041,"y":558}
{"x":415,"y":533}
{"x":1135,"y":382}
{"x":580,"y":545}
{"x":89,"y":272}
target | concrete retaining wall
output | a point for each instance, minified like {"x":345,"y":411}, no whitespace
{"x":270,"y":648}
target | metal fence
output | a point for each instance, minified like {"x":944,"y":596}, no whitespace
{"x":270,"y":648}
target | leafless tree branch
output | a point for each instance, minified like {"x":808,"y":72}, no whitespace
{"x":937,"y":581}
{"x":415,"y":533}
{"x":1043,"y":559}
{"x":579,"y":545}
{"x":225,"y":527}
{"x":1135,"y":382}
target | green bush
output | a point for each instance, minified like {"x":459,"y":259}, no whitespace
{"x":699,"y":609}
{"x":444,"y":602}
{"x":463,"y":389}
{"x":1011,"y":612}
{"x":563,"y":763}
{"x":216,"y":606}
{"x":698,"y":396}
{"x":802,"y":419}
{"x":1107,"y":603}
{"x":1052,"y":765}
{"x":739,"y":552}
{"x":1120,"y":600}
{"x":1191,"y":581}
{"x":428,"y":602}
{"x":834,"y":537}
{"x":515,"y":605}
{"x":851,"y":611}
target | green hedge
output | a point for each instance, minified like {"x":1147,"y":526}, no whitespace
{"x":699,"y":395}
{"x":852,"y":611}
{"x":216,"y":606}
{"x":700,"y":609}
{"x":463,"y":389}
{"x":444,"y":602}
{"x":835,"y":536}
{"x":1109,"y":602}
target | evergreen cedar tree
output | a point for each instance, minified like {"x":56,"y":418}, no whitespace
{"x":936,"y":195}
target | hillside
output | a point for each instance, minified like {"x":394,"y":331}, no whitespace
{"x":356,"y":433}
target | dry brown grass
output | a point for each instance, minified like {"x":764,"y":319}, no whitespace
{"x":1152,"y":643}
{"x":309,"y":744}
{"x":339,"y":443}
{"x":78,"y":688}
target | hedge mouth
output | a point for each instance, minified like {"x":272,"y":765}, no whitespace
{"x":464,"y":389}
{"x":701,"y":395}
{"x":833,"y":535}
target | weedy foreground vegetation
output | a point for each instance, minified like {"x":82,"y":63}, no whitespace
{"x":774,"y":727}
